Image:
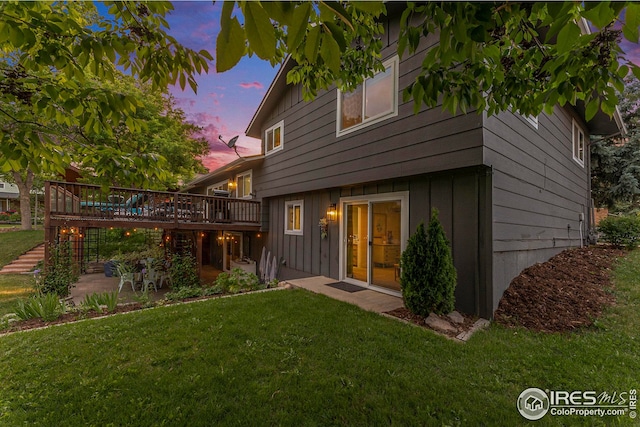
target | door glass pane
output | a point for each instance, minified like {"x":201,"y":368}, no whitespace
{"x":385,"y":259}
{"x":357,"y":228}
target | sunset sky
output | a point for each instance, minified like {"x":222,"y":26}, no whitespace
{"x":226,"y":102}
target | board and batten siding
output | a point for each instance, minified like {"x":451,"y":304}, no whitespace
{"x":461,"y":197}
{"x":539,"y":191}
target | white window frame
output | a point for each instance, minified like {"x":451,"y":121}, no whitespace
{"x":394,"y":64}
{"x":292,"y":204}
{"x":280,"y":125}
{"x":575,"y":145}
{"x":533,"y":120}
{"x":242,"y":175}
{"x":217,"y":186}
{"x":1,"y":184}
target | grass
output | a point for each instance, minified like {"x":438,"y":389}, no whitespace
{"x":15,"y":286}
{"x":15,"y":243}
{"x":12,"y":288}
{"x":296,"y":358}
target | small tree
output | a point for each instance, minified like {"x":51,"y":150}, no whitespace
{"x":441,"y":274}
{"x":414,"y":273}
{"x":428,"y":278}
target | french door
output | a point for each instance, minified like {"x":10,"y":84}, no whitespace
{"x":374,"y":231}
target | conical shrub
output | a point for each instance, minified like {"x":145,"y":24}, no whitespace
{"x":428,"y":278}
{"x":441,"y":274}
{"x":414,"y":272}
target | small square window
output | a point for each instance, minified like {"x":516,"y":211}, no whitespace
{"x":578,"y":144}
{"x":273,"y":138}
{"x":293,"y":219}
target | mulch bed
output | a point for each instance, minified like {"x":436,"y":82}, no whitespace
{"x":566,"y":293}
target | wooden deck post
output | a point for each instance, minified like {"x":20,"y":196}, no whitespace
{"x":199,"y":252}
{"x":48,"y":231}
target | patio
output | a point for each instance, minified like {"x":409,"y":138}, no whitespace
{"x":99,"y":283}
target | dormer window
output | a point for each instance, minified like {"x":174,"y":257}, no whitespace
{"x":274,"y":138}
{"x":371,"y":102}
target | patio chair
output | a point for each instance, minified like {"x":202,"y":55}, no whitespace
{"x":125,"y":276}
{"x":150,"y":278}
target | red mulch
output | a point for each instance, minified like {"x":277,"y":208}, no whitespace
{"x":566,"y":293}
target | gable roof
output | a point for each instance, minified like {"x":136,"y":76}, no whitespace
{"x":270,"y":100}
{"x":223,"y":172}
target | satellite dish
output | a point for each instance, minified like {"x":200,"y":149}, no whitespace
{"x":231,"y":143}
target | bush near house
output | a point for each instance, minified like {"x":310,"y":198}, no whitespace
{"x":428,"y":278}
{"x":621,"y":231}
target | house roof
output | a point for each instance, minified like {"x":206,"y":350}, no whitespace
{"x":601,"y":124}
{"x":223,"y":172}
{"x":7,"y":195}
{"x":277,"y":87}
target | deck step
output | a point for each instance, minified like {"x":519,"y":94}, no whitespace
{"x":26,"y":262}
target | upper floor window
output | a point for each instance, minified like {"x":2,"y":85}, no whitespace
{"x":373,"y":101}
{"x":274,"y":138}
{"x":294,"y":212}
{"x":578,"y":143}
{"x":1,"y":184}
{"x":243,"y":182}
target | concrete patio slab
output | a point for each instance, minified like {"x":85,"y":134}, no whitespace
{"x":366,"y":299}
{"x":99,"y":283}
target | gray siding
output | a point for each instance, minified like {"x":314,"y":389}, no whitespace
{"x":313,"y":157}
{"x":461,"y":199}
{"x":538,"y":191}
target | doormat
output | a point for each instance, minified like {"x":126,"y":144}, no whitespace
{"x":348,"y":287}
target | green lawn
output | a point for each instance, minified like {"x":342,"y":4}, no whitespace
{"x":14,"y":286}
{"x":15,"y":243}
{"x":296,"y":358}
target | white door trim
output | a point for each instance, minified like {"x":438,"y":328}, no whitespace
{"x":403,"y":196}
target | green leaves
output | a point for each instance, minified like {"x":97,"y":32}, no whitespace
{"x":259,"y":30}
{"x":567,"y":37}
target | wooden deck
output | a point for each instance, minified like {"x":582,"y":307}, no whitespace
{"x":91,"y":206}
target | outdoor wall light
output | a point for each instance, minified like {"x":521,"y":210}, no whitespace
{"x":332,"y":212}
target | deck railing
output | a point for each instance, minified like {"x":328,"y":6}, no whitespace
{"x":84,"y":201}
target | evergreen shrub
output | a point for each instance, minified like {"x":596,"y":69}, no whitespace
{"x":428,"y":277}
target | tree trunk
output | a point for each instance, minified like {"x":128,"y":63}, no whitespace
{"x":25,"y":184}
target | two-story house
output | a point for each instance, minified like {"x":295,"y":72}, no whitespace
{"x":511,"y":190}
{"x":9,"y":195}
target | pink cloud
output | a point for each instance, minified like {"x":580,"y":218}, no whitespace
{"x":252,"y":85}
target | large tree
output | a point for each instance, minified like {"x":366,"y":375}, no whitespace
{"x":164,"y":150}
{"x":59,"y":65}
{"x":489,"y":56}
